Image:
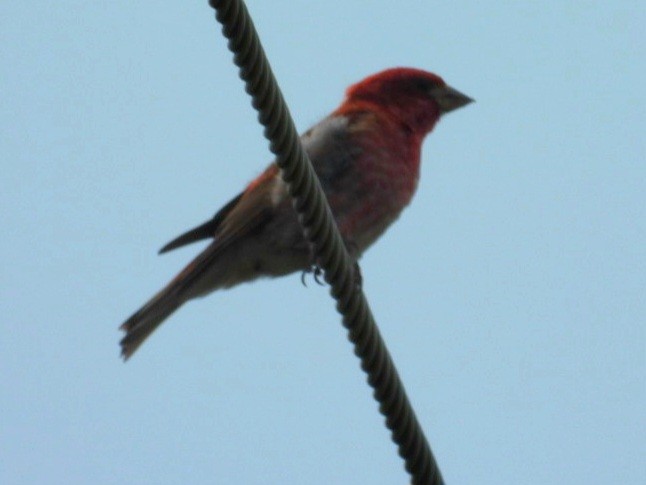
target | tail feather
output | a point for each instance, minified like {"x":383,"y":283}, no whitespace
{"x":189,"y":283}
{"x":144,"y":322}
{"x":226,"y":262}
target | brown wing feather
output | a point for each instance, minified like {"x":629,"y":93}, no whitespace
{"x":203,"y":231}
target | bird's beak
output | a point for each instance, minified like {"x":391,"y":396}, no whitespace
{"x":450,"y":99}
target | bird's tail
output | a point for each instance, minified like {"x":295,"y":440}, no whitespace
{"x":198,"y":278}
{"x":221,"y":265}
{"x":144,"y":322}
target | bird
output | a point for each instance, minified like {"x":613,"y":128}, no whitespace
{"x":366,"y":154}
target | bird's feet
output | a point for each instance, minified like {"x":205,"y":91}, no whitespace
{"x":316,"y":271}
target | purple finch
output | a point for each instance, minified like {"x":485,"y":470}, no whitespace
{"x":366,"y":155}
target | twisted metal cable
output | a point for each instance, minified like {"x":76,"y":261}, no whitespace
{"x":321,"y":231}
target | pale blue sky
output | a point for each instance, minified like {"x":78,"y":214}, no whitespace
{"x":511,"y":292}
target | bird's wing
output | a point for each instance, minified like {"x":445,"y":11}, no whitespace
{"x":203,"y":231}
{"x":325,"y":142}
{"x":243,"y":216}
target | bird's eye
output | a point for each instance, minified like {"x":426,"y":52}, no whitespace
{"x":423,"y":85}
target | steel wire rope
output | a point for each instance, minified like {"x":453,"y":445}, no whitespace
{"x":319,"y":227}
